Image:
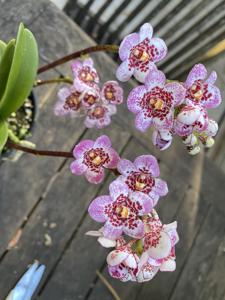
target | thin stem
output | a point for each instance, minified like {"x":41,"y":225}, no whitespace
{"x":11,"y":144}
{"x":53,"y":80}
{"x":108,"y":285}
{"x":62,"y":60}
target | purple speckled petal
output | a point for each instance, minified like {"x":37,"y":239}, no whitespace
{"x":123,"y":72}
{"x":182,"y":129}
{"x":113,"y":159}
{"x":97,"y":206}
{"x":215,"y":98}
{"x":63,"y":93}
{"x":212,"y":77}
{"x":144,"y":200}
{"x":102,"y":142}
{"x":118,"y":92}
{"x":103,"y":122}
{"x":142,"y":122}
{"x":212,"y":128}
{"x":117,"y":188}
{"x":197,"y":72}
{"x":136,"y":231}
{"x":160,"y":187}
{"x":127,"y":44}
{"x":79,"y":85}
{"x":160,"y":45}
{"x":147,"y":162}
{"x":77,"y":167}
{"x":178,"y":92}
{"x":112,"y":232}
{"x":111,"y":109}
{"x":120,"y":272}
{"x":88,"y":62}
{"x":189,"y":114}
{"x":146,"y":31}
{"x":75,"y":66}
{"x":82,"y":147}
{"x":141,"y":75}
{"x":125,"y":167}
{"x":155,"y":78}
{"x":95,"y":177}
{"x":134,"y":98}
{"x":147,"y":273}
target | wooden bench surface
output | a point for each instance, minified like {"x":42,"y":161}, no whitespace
{"x":38,"y":192}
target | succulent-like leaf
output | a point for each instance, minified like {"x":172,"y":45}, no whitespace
{"x":2,"y":48}
{"x":5,"y":66}
{"x":22,"y":73}
{"x":3,"y":134}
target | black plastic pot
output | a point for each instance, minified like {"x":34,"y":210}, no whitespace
{"x":29,"y":107}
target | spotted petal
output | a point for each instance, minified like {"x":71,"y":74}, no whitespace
{"x":112,"y":231}
{"x":103,"y":142}
{"x":140,"y":75}
{"x":142,"y":122}
{"x":197,"y":72}
{"x":113,"y":159}
{"x":117,"y":188}
{"x":82,"y":147}
{"x":149,"y":163}
{"x":147,"y":273}
{"x":143,"y":201}
{"x":163,"y":247}
{"x":168,"y":265}
{"x":134,"y":98}
{"x":161,"y":47}
{"x":146,"y":31}
{"x":178,"y":92}
{"x":97,"y":206}
{"x":116,"y":257}
{"x":77,"y":167}
{"x":127,"y":44}
{"x":212,"y":78}
{"x":124,"y":72}
{"x":136,"y":230}
{"x":95,"y":177}
{"x":125,"y":167}
{"x":215,"y":99}
{"x":154,"y":79}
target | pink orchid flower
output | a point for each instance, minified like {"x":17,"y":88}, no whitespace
{"x":69,"y":103}
{"x":154,"y":102}
{"x":121,"y":211}
{"x":139,"y":52}
{"x":92,"y":157}
{"x":202,"y":91}
{"x":99,"y":116}
{"x":112,"y":93}
{"x":141,"y":176}
{"x":85,"y":75}
{"x":90,"y":98}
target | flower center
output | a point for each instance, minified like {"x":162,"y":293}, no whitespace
{"x":72,"y":101}
{"x":95,"y":158}
{"x":123,"y":211}
{"x":140,"y":183}
{"x":141,"y":54}
{"x":156,"y":103}
{"x":197,"y":92}
{"x":87,"y":76}
{"x":98,"y":112}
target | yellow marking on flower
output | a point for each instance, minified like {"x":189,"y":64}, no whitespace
{"x":139,"y":185}
{"x":109,"y":95}
{"x":97,"y":160}
{"x":198,"y":95}
{"x":89,"y":77}
{"x":157,"y":103}
{"x":142,"y":55}
{"x":91,"y":99}
{"x":123,"y":211}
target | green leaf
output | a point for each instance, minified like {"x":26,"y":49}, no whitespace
{"x":22,"y":73}
{"x":2,"y":48}
{"x":5,"y":66}
{"x":3,"y":134}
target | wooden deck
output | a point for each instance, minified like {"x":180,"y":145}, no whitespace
{"x":40,"y":196}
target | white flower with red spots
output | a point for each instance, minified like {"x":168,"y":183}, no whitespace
{"x":123,"y":263}
{"x":153,"y":103}
{"x":92,"y":157}
{"x":139,"y":52}
{"x":99,"y":116}
{"x":112,"y":93}
{"x":121,"y":211}
{"x":141,"y":176}
{"x":202,"y":91}
{"x":69,"y":103}
{"x":85,"y":75}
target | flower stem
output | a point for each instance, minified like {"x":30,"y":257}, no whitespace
{"x":12,"y":145}
{"x":62,"y":60}
{"x":53,"y":80}
{"x":108,"y":285}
